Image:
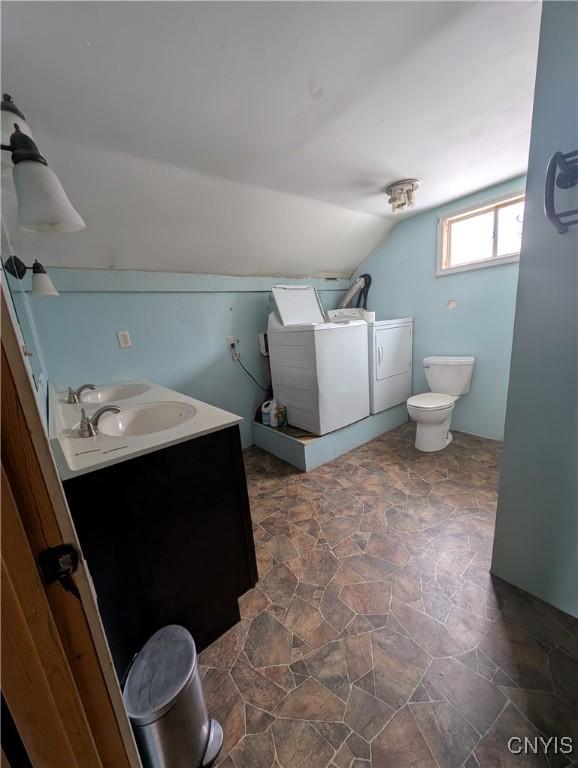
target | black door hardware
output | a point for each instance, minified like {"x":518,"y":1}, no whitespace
{"x":58,"y":564}
{"x":562,"y":172}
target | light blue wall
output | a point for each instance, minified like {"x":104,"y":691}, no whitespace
{"x":178,"y":325}
{"x":404,"y":284}
{"x":536,"y":541}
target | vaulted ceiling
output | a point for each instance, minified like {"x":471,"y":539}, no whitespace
{"x":256,"y":138}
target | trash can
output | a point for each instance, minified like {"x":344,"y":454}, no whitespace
{"x":164,"y":700}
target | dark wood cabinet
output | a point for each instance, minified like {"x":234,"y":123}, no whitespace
{"x":168,"y":540}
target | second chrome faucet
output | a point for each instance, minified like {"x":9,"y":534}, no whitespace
{"x":89,"y":424}
{"x":73,"y":395}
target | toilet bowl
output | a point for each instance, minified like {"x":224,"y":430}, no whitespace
{"x":448,"y":378}
{"x":433,"y":414}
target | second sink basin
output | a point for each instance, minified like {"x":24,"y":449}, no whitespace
{"x":146,"y":419}
{"x":111,"y":394}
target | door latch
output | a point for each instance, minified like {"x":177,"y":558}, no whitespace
{"x":58,"y":564}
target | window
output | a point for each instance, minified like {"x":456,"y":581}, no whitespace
{"x":481,"y":237}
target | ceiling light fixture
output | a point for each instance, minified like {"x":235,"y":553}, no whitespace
{"x":402,"y":194}
{"x":42,"y":202}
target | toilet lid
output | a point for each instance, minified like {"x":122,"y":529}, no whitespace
{"x":431,"y":401}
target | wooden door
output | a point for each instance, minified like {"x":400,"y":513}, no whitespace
{"x":36,"y":678}
{"x":57,"y":674}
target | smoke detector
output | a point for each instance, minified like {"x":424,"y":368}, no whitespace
{"x":402,"y":194}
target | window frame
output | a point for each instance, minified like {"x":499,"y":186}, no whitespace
{"x":444,"y":234}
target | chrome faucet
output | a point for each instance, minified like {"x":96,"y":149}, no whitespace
{"x":89,"y":424}
{"x":73,"y":396}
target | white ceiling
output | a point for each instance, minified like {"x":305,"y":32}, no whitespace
{"x":255,"y":138}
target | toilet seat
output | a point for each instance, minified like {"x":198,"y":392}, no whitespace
{"x":431,"y":401}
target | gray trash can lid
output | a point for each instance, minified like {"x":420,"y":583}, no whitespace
{"x":162,"y":669}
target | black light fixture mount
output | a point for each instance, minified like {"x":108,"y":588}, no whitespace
{"x":15,"y":266}
{"x":21,"y":146}
{"x":8,"y":105}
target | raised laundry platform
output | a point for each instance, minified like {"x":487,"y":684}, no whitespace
{"x":306,"y":451}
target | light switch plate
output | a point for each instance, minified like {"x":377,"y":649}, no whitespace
{"x":123,"y":339}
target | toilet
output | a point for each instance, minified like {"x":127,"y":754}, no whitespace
{"x":447,"y":378}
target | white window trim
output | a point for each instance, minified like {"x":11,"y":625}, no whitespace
{"x":494,"y":261}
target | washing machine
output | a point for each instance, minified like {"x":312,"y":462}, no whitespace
{"x":319,"y":369}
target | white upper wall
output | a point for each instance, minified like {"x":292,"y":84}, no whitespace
{"x":255,"y":138}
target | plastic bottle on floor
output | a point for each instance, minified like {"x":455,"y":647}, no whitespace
{"x":266,"y":413}
{"x":273,"y":420}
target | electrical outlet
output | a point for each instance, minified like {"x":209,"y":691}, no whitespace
{"x":123,"y":339}
{"x":232,"y":342}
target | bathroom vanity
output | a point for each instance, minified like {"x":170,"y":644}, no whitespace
{"x":162,"y":517}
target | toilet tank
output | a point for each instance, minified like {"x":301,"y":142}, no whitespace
{"x":449,"y":375}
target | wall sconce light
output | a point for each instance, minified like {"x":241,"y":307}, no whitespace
{"x":402,"y":194}
{"x":42,"y":202}
{"x":42,"y":284}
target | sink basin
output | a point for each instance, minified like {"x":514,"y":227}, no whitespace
{"x":113,"y":393}
{"x":146,"y":419}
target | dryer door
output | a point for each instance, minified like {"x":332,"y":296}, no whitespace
{"x":390,"y":382}
{"x":392,"y":351}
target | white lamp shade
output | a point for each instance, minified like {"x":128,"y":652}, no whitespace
{"x":42,"y":285}
{"x":42,"y":202}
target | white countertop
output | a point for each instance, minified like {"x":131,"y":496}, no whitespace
{"x":76,"y":455}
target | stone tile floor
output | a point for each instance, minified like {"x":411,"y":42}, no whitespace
{"x":376,"y":636}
